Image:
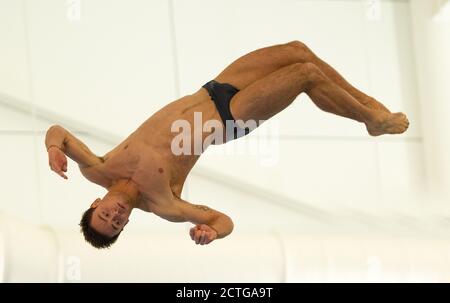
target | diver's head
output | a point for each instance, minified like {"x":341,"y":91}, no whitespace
{"x":103,"y":222}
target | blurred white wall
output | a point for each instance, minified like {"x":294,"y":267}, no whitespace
{"x":291,"y":256}
{"x":104,"y":74}
{"x":431,"y":24}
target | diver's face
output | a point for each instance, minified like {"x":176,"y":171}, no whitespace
{"x":110,"y":215}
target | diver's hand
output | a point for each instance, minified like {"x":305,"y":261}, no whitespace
{"x":203,"y":234}
{"x":57,"y":161}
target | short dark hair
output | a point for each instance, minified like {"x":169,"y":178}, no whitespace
{"x":92,"y":236}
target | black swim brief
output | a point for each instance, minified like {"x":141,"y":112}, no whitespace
{"x":221,"y":94}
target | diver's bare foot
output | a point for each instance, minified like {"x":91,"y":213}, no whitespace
{"x":385,"y":123}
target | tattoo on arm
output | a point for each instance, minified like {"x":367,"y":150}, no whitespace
{"x":202,"y":207}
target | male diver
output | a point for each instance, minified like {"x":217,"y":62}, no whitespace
{"x":143,"y":172}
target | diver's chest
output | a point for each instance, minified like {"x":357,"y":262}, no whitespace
{"x":123,"y":163}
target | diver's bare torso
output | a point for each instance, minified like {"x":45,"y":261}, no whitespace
{"x":146,"y":157}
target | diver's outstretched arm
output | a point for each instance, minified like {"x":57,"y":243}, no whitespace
{"x":59,"y":143}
